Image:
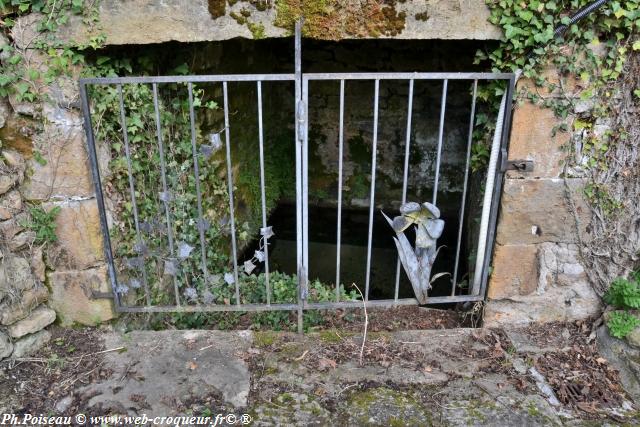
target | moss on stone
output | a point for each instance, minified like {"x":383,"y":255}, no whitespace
{"x":422,"y":16}
{"x":329,"y":336}
{"x":238,"y":18}
{"x":533,"y":410}
{"x":217,"y":8}
{"x":335,"y":19}
{"x":264,"y":339}
{"x":257,"y":30}
{"x":261,"y":5}
{"x":384,"y":406}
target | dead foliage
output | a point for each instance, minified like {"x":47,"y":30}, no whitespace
{"x":581,"y":378}
{"x":394,"y":319}
{"x":70,"y":360}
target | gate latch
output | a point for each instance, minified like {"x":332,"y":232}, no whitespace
{"x":518,"y":165}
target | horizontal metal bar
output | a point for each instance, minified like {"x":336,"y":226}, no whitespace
{"x":294,"y":307}
{"x":407,"y":76}
{"x":188,"y":79}
{"x":207,"y":308}
{"x":390,"y":302}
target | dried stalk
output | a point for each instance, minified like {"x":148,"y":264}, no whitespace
{"x":366,"y":324}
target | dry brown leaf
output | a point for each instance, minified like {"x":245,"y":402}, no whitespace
{"x":325,"y":363}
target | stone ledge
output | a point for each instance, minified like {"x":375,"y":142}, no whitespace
{"x":146,"y":22}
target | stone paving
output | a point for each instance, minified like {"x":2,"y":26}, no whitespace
{"x":430,"y":378}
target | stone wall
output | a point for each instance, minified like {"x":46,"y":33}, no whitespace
{"x":537,"y":273}
{"x":43,"y":165}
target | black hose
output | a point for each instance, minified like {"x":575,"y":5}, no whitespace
{"x":578,"y":16}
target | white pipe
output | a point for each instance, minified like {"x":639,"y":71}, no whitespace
{"x":488,"y":195}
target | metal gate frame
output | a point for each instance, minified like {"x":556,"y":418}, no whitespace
{"x":301,"y":152}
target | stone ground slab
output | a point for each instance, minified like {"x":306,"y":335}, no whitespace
{"x":455,"y":377}
{"x":164,"y":365}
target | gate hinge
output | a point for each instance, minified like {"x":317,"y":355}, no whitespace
{"x":515,"y":165}
{"x":100,"y":295}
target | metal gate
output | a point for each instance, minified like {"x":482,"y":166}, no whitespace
{"x":476,"y":290}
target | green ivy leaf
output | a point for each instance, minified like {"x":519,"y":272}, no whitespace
{"x":182,"y":69}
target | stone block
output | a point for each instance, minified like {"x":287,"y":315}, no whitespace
{"x":6,"y":182}
{"x":6,"y":346}
{"x":10,"y":205}
{"x":559,"y":265}
{"x":66,"y":172}
{"x":531,"y":139}
{"x":515,"y":271}
{"x":13,"y":159}
{"x":559,"y":304}
{"x":70,"y":292}
{"x":12,"y":311}
{"x":79,"y":235}
{"x":5,"y":111}
{"x":563,"y":292}
{"x":26,"y":346}
{"x":39,"y":319}
{"x":622,"y":357}
{"x":22,"y":240}
{"x":10,"y":228}
{"x":537,"y":211}
{"x":145,"y":22}
{"x":38,"y":266}
{"x":15,"y":276}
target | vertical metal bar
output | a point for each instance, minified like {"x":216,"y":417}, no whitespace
{"x":196,"y":172}
{"x":340,"y":148}
{"x":372,"y":201}
{"x":464,"y":188}
{"x":497,"y":190}
{"x":299,"y":131}
{"x":95,"y":172}
{"x":405,"y":175}
{"x":305,"y":190}
{"x":262,"y":193}
{"x":230,"y":187}
{"x":163,"y":175}
{"x":443,"y":103}
{"x":132,"y":191}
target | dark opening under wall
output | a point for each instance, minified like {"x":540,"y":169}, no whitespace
{"x":276,"y":56}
